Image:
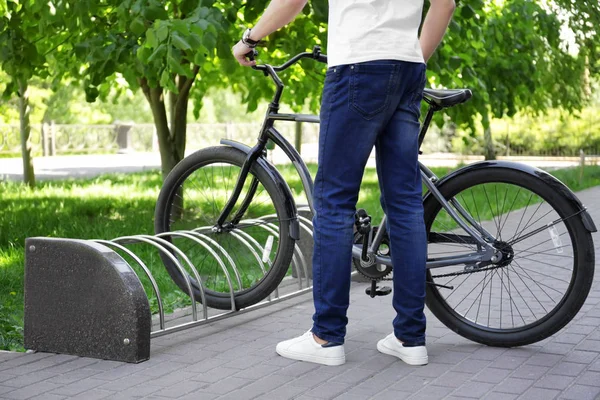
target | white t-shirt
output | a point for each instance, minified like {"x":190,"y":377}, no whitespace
{"x":369,"y":30}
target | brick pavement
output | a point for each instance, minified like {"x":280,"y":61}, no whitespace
{"x":235,"y":359}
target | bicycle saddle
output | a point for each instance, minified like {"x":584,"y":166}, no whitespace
{"x":447,"y":97}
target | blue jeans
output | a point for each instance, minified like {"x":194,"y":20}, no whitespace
{"x":364,"y":105}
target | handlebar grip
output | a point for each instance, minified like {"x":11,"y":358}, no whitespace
{"x":252,"y":54}
{"x":317,"y":55}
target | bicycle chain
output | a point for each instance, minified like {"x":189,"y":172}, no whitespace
{"x":454,"y":273}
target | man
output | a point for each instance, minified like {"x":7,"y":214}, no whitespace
{"x":373,"y":90}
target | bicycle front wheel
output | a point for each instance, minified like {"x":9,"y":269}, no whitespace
{"x":546,"y":270}
{"x":249,"y":257}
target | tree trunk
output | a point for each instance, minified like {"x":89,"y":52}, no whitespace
{"x":171,"y":137}
{"x":179,"y":109}
{"x":25,"y":128}
{"x":168,"y":155}
{"x":489,"y":151}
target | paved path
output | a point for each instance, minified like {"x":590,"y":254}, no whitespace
{"x":85,"y":166}
{"x":235,"y":359}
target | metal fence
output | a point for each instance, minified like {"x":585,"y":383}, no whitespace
{"x":57,"y":139}
{"x":10,"y":141}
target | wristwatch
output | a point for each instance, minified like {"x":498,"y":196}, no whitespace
{"x":247,"y":41}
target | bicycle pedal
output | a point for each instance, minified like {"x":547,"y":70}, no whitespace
{"x":362,"y":221}
{"x":384,"y":291}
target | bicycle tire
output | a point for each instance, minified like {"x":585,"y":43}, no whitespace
{"x":580,"y":279}
{"x":224,"y":155}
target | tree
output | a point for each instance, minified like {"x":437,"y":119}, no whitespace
{"x":30,"y":32}
{"x":510,"y":53}
{"x":180,"y":49}
{"x":513,"y":57}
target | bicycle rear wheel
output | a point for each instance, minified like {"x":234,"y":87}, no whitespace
{"x":255,"y":252}
{"x":547,"y":267}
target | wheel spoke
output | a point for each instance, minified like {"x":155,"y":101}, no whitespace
{"x":531,"y":285}
{"x":546,"y":263}
{"x":472,"y":290}
{"x":480,"y":296}
{"x":553,"y":250}
{"x":523,"y":214}
{"x":512,"y":302}
{"x":536,"y":282}
{"x":528,"y":288}
{"x":198,"y":202}
{"x":491,"y":210}
{"x":511,"y":206}
{"x":544,"y":275}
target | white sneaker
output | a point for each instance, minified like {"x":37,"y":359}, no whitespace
{"x":410,"y":355}
{"x":305,"y":348}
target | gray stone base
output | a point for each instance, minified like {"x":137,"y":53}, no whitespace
{"x":81,"y":298}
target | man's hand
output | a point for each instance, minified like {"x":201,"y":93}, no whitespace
{"x":278,"y":14}
{"x":240,"y":50}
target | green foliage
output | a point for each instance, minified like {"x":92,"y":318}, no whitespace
{"x":30,"y":32}
{"x":11,"y":330}
{"x":511,"y":55}
{"x":148,"y":42}
{"x":64,"y":103}
{"x":556,"y":133}
{"x":573,"y":177}
{"x":162,"y":44}
{"x":583,"y":18}
{"x":67,"y":105}
{"x":223,"y":106}
{"x":8,"y":108}
{"x":11,"y":299}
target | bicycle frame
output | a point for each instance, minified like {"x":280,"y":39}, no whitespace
{"x":477,"y":235}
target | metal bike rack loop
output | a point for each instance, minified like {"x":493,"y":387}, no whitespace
{"x":98,"y":294}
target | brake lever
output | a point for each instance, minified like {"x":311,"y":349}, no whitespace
{"x":317,"y":55}
{"x":316,"y":52}
{"x":251,"y":55}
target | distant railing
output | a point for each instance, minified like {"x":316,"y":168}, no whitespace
{"x":10,"y":139}
{"x":58,"y":139}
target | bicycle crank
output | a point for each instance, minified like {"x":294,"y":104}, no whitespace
{"x":374,"y":290}
{"x":370,"y":269}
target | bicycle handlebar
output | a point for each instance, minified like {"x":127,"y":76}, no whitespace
{"x":315,"y":54}
{"x":271,"y":71}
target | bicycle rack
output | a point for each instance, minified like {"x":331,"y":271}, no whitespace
{"x":83,"y":298}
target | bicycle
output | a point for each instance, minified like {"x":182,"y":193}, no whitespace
{"x":232,"y":196}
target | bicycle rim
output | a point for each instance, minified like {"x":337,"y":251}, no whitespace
{"x":540,"y":249}
{"x":238,"y":258}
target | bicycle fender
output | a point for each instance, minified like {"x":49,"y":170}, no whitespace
{"x":282,"y":186}
{"x":548,"y":179}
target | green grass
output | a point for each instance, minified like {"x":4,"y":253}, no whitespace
{"x":115,"y":205}
{"x":104,"y":207}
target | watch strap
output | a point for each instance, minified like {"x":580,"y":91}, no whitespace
{"x":247,"y":41}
